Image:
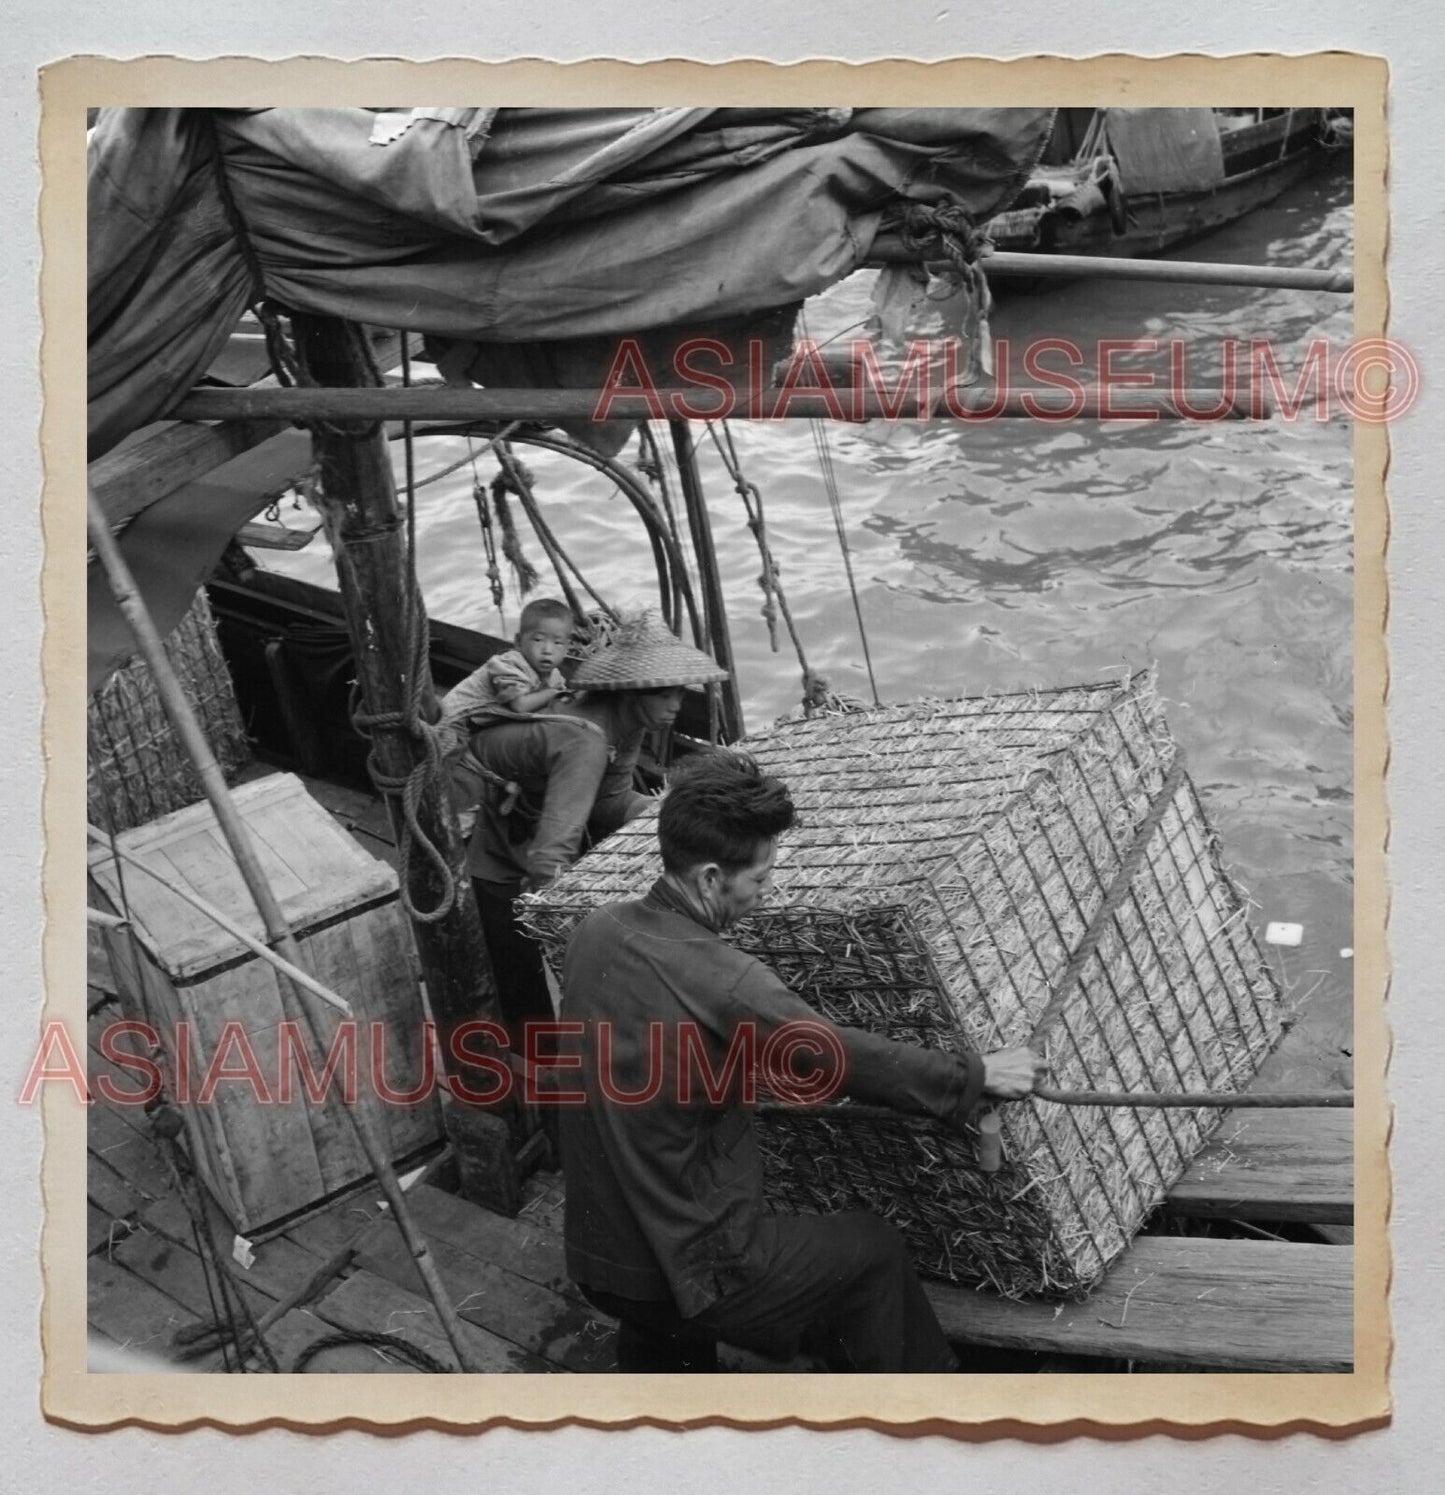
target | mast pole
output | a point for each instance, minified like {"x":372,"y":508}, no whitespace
{"x":358,"y":503}
{"x":715,"y":618}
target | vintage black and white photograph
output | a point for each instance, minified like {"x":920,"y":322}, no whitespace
{"x":720,"y":741}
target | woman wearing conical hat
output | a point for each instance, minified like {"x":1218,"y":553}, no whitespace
{"x":562,"y":777}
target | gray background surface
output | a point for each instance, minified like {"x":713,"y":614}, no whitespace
{"x":1401,"y":1458}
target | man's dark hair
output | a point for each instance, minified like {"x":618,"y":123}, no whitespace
{"x":720,"y":807}
{"x":544,"y":610}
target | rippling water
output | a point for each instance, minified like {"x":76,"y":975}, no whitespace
{"x":1013,"y":553}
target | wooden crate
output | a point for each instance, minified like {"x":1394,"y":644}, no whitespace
{"x":1027,"y":869}
{"x":263,"y":1159}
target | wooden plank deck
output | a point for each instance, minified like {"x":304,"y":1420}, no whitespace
{"x":1209,"y":1303}
{"x":1185,"y":1301}
{"x":1274,"y":1165}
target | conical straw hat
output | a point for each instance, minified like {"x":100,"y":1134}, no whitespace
{"x":645,"y":655}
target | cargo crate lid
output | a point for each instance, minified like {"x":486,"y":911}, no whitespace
{"x":314,"y":867}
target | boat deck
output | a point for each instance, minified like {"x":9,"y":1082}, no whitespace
{"x":1172,"y":1301}
{"x":1249,"y":1300}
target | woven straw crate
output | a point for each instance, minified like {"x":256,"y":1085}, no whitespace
{"x":1025,"y":869}
{"x":136,"y":768}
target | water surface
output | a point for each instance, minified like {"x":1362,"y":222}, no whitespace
{"x":1012,"y":554}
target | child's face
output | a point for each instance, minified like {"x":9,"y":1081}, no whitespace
{"x":544,"y":644}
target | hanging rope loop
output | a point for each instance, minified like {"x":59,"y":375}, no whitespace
{"x":410,"y":787}
{"x":944,"y":231}
{"x":510,"y":481}
{"x":428,"y":769}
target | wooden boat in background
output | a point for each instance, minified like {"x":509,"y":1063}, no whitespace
{"x":1139,"y":181}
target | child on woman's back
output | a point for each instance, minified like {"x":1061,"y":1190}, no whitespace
{"x":522,"y":679}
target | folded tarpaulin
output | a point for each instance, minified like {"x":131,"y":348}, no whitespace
{"x":496,"y":227}
{"x":1165,"y":150}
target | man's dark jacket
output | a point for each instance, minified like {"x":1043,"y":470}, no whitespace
{"x":664,"y":1197}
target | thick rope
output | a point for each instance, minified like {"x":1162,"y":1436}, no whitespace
{"x":946,"y":227}
{"x":410,"y":787}
{"x":526,"y":573}
{"x":947,"y":232}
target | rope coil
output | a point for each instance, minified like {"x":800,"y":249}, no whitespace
{"x":411,"y":786}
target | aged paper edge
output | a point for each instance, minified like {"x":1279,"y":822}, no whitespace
{"x":1045,"y":1407}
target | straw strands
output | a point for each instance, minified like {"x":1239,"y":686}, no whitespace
{"x":1034,"y":868}
{"x":136,"y":770}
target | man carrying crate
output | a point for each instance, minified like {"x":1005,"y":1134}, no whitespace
{"x":665,"y":1223}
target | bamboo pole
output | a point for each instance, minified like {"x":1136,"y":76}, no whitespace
{"x":1148,"y":1100}
{"x":888,"y":249}
{"x":836,"y":402}
{"x":1217,"y":1100}
{"x":238,"y":838}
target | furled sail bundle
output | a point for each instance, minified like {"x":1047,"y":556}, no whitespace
{"x":557,"y":230}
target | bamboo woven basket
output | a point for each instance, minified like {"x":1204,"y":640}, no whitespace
{"x":136,"y":769}
{"x":1033,"y":868}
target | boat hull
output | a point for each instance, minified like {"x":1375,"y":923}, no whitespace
{"x":1261,"y":161}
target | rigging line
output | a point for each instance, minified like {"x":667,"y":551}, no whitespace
{"x":444,"y":472}
{"x":658,"y":467}
{"x":489,"y":539}
{"x":227,"y":1332}
{"x":851,"y":327}
{"x":558,"y":556}
{"x":653,"y":467}
{"x":489,"y":544}
{"x":671,"y":571}
{"x":835,"y":503}
{"x":824,"y":449}
{"x":514,"y":479}
{"x":772,"y":581}
{"x":753,"y":506}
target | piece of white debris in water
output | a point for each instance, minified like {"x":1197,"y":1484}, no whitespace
{"x":1348,"y":953}
{"x":1283,"y":934}
{"x":243,"y":1252}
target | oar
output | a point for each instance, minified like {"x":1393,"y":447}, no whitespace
{"x":888,"y":249}
{"x":1219,"y":1100}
